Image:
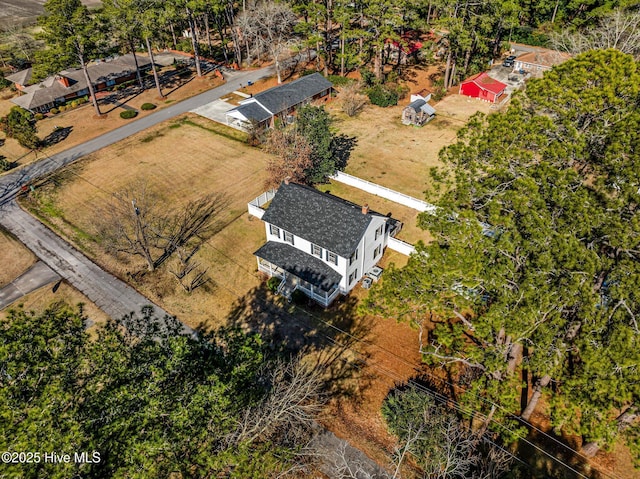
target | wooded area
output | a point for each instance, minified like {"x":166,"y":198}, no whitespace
{"x":530,"y":285}
{"x":379,"y":35}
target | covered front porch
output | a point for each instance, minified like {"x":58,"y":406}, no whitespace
{"x":299,"y":271}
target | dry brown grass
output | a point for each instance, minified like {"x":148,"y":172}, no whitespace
{"x":85,"y":126}
{"x":15,"y":258}
{"x":42,"y":298}
{"x":398,"y":156}
{"x":180,"y":161}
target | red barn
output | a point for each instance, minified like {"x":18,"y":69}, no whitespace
{"x":483,"y":86}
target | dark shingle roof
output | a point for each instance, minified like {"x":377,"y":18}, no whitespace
{"x":416,"y":104}
{"x":300,"y":264}
{"x":323,"y":219}
{"x":285,"y":96}
{"x":253,"y":111}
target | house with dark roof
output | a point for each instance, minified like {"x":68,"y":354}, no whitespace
{"x":484,"y":87}
{"x":70,"y":84}
{"x":280,"y":101}
{"x":320,"y":244}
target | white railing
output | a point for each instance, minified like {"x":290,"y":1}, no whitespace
{"x":401,"y":247}
{"x":383,"y":192}
{"x":255,"y":206}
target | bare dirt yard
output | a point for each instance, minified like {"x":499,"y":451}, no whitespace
{"x":15,"y":258}
{"x":80,"y":124}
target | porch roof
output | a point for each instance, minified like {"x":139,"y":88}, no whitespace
{"x":306,"y":267}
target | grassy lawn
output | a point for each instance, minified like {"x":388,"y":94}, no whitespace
{"x":15,"y":258}
{"x":84,"y":126}
{"x":44,"y":297}
{"x":179,"y":160}
{"x":399,"y":156}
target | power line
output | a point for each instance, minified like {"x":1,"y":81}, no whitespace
{"x":414,"y":384}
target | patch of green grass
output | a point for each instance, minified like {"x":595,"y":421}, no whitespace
{"x":221,"y":130}
{"x":168,"y":101}
{"x":48,"y":208}
{"x":151,"y":137}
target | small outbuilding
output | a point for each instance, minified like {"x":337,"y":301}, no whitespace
{"x":418,"y":112}
{"x":484,"y":87}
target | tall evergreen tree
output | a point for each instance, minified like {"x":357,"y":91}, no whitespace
{"x":72,"y":36}
{"x":534,"y":266}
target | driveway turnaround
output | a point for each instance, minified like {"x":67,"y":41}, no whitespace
{"x":34,"y":278}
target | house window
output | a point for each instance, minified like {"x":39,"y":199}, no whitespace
{"x":288,"y":237}
{"x":274,"y":230}
{"x":353,"y":276}
{"x":353,"y":258}
{"x":332,"y":257}
{"x":316,"y":250}
{"x":378,"y":232}
{"x":377,"y":251}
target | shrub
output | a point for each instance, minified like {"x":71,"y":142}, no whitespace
{"x":337,"y":80}
{"x":38,"y":116}
{"x":273,"y":283}
{"x":53,"y":111}
{"x":306,"y":72}
{"x":368,"y":77}
{"x":128,"y":114}
{"x":83,"y":100}
{"x":382,"y":96}
{"x":147,"y":106}
{"x":74,"y":103}
{"x":6,"y":165}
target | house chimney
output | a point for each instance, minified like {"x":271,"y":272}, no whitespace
{"x":64,"y":81}
{"x":365,"y":209}
{"x":287,"y":179}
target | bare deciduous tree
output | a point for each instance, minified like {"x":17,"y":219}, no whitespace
{"x":287,"y":413}
{"x":293,"y":156}
{"x":134,"y":222}
{"x":619,"y":30}
{"x":353,"y":102}
{"x":189,"y":272}
{"x":268,"y":28}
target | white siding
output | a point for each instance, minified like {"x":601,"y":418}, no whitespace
{"x":305,"y":246}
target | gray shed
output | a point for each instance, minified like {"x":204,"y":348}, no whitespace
{"x":418,"y":112}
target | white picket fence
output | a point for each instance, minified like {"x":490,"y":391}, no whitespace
{"x":383,"y":192}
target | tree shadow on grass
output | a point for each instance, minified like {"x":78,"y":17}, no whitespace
{"x":335,"y":339}
{"x":58,"y":135}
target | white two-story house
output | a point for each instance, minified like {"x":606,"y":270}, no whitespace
{"x":319,"y":243}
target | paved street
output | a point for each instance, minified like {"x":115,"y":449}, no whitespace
{"x":34,"y":278}
{"x":11,"y":182}
{"x":113,"y":296}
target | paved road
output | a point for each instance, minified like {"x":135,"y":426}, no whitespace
{"x":34,"y":278}
{"x":10,"y":183}
{"x":113,"y":296}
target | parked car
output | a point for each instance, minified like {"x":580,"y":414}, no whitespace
{"x":508,"y":62}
